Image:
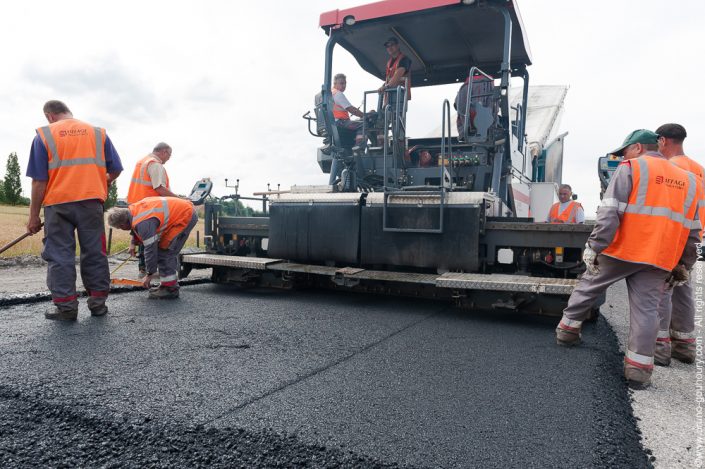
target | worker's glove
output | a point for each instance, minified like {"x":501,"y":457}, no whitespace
{"x":590,"y":260}
{"x":132,"y":250}
{"x":678,"y":276}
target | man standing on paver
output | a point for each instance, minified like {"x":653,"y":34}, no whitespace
{"x":149,"y":179}
{"x":162,"y":225}
{"x":676,"y":336}
{"x":71,"y":164}
{"x":646,"y":232}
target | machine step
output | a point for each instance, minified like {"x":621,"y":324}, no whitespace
{"x":449,"y":280}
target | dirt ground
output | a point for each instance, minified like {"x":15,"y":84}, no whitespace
{"x":13,"y":221}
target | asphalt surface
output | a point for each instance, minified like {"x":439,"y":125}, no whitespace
{"x":225,"y":377}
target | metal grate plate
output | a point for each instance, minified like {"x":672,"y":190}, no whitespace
{"x":254,"y":263}
{"x":502,"y":282}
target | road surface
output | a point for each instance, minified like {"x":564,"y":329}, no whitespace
{"x":226,"y":377}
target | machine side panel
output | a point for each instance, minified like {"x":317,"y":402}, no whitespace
{"x":319,"y":232}
{"x":456,"y":248}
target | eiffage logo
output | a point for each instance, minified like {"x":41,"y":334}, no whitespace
{"x":72,"y":132}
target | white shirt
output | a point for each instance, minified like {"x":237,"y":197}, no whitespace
{"x":157,"y":174}
{"x":340,"y":99}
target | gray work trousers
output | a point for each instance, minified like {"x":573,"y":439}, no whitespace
{"x":168,"y":259}
{"x":645,"y":285}
{"x":61,"y":223}
{"x":677,"y":313}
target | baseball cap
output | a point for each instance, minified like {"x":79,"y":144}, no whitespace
{"x":391,"y":40}
{"x":638,"y":136}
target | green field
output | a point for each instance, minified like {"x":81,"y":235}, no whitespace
{"x":13,"y":221}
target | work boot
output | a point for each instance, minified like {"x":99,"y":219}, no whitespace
{"x":568,"y":335}
{"x":58,"y":314}
{"x":99,"y":311}
{"x":637,"y":377}
{"x":97,"y":305}
{"x":164,"y":293}
{"x":662,"y":352}
{"x":683,"y":350}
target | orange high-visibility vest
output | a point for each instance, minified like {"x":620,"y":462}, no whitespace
{"x":658,"y":216}
{"x":392,"y":65}
{"x":76,"y":153}
{"x":339,"y":112}
{"x":692,"y":166}
{"x":569,"y":215}
{"x":174,"y":215}
{"x":141,"y":183}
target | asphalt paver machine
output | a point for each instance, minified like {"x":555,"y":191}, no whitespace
{"x":445,"y":216}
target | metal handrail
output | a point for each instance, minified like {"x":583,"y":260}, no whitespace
{"x":308,"y":117}
{"x":387,"y":111}
{"x":471,"y":76}
{"x":445,"y":125}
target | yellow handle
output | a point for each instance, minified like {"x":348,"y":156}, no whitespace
{"x":118,"y":267}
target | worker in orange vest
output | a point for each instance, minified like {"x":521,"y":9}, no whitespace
{"x":397,"y":72}
{"x":349,"y":131}
{"x":162,"y":225}
{"x":676,"y":337}
{"x":646,"y":232}
{"x":149,"y":179}
{"x":566,"y":210}
{"x":71,"y":164}
{"x":342,"y":110}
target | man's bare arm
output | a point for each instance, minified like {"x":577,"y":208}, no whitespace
{"x":164,"y":192}
{"x":354,"y":111}
{"x":397,"y":78}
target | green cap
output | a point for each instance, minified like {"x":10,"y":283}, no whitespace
{"x":638,"y":136}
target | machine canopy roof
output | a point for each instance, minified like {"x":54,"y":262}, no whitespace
{"x":443,"y":38}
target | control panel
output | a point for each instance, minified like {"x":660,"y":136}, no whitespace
{"x":606,"y":166}
{"x":201,"y":191}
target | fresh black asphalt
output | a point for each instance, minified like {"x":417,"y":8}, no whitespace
{"x":234,"y":378}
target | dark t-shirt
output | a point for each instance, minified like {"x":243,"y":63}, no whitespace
{"x":404,"y":63}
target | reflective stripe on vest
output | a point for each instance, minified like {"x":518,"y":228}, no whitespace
{"x":141,"y":182}
{"x":569,"y":215}
{"x":692,"y":166}
{"x":392,"y":65}
{"x":339,"y":112}
{"x":76,"y":162}
{"x":172,"y":213}
{"x":659,"y":215}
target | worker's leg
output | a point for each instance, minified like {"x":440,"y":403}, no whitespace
{"x":335,"y":168}
{"x":590,"y":289}
{"x":95,"y":272}
{"x":141,"y":264}
{"x":682,"y":327}
{"x":646,"y":288}
{"x":662,"y":347}
{"x":60,"y":252}
{"x":168,"y":258}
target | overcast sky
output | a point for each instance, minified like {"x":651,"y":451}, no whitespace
{"x":225,"y":83}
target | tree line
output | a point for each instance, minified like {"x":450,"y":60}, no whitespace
{"x":11,"y":186}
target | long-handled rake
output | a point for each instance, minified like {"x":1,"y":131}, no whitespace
{"x":123,"y":281}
